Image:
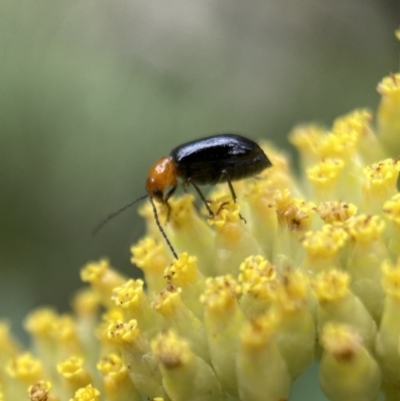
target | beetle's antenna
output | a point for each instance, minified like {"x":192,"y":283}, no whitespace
{"x":161,"y":229}
{"x":117,"y":212}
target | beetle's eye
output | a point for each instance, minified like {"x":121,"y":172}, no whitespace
{"x":158,"y":194}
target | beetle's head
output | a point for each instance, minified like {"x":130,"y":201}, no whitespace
{"x":161,"y":175}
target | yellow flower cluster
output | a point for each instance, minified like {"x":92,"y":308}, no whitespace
{"x":312,"y":274}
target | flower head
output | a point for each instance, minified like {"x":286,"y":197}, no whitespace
{"x":295,"y":270}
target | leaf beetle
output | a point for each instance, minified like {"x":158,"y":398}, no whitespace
{"x":210,"y":160}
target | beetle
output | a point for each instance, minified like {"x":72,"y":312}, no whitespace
{"x":211,"y":160}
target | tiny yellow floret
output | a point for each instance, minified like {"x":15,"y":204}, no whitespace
{"x":129,"y":295}
{"x":112,"y":365}
{"x":88,"y":393}
{"x":340,"y":341}
{"x":65,"y":330}
{"x":257,"y":277}
{"x":86,"y":302}
{"x":220,"y":294}
{"x":181,"y":210}
{"x":102,"y":278}
{"x":8,"y":346}
{"x":293,"y":214}
{"x":338,"y":145}
{"x":336,"y":211}
{"x":364,"y":228}
{"x":25,"y":368}
{"x":182,"y":271}
{"x":225,"y":212}
{"x":170,"y":350}
{"x":121,"y":332}
{"x":324,"y":174}
{"x":324,"y":243}
{"x":41,"y":322}
{"x":149,"y":255}
{"x":40,"y":391}
{"x":391,"y":279}
{"x":292,"y":291}
{"x":94,"y":271}
{"x":381,"y":177}
{"x":331,"y":285}
{"x":168,"y":301}
{"x":308,"y":139}
{"x":392,"y":208}
{"x":259,"y":331}
{"x":73,"y":369}
{"x":354,"y":124}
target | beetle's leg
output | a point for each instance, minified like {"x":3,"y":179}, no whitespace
{"x":228,"y":180}
{"x":167,"y":196}
{"x":210,"y":212}
{"x":221,"y":207}
{"x":194,"y":203}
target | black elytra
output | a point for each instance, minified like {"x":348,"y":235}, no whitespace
{"x":219,"y":158}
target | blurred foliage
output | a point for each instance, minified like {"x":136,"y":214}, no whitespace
{"x":93,"y":92}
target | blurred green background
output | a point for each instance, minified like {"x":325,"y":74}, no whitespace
{"x":92,"y":92}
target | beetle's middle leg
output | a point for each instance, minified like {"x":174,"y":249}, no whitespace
{"x":210,"y":212}
{"x":228,"y":180}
